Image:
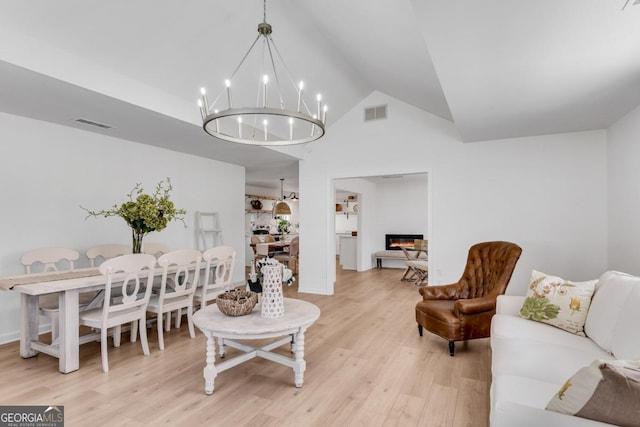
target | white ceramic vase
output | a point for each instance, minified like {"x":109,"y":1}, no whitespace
{"x":272,"y":298}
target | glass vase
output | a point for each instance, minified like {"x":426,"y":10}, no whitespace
{"x":136,"y":238}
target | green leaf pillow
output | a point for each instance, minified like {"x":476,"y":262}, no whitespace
{"x":558,"y":302}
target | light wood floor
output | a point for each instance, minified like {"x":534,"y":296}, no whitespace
{"x":366,"y":366}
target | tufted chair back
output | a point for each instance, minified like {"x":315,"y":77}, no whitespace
{"x":488,"y":270}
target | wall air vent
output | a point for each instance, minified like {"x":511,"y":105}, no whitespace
{"x":92,"y":123}
{"x":375,"y":113}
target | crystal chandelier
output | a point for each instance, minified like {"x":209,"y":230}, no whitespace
{"x":270,"y":122}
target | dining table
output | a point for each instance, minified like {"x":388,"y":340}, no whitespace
{"x":67,"y":285}
{"x":273,"y":246}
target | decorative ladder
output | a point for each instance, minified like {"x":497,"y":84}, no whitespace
{"x":209,"y":233}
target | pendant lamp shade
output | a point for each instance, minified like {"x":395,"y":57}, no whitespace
{"x":281,"y":207}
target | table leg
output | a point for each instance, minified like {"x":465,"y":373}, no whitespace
{"x":222,"y":347}
{"x":69,"y":331}
{"x":300,"y":365}
{"x":29,"y":324}
{"x":210,"y":371}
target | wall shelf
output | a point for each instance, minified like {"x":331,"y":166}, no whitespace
{"x":250,"y":210}
{"x":255,"y":196}
{"x":345,"y":203}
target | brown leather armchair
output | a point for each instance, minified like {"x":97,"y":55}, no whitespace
{"x":462,"y":311}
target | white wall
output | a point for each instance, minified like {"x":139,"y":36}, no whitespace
{"x":402,"y":209}
{"x":47,"y":171}
{"x":545,"y":193}
{"x":624,"y":193}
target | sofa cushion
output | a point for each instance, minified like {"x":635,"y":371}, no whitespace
{"x":519,"y":401}
{"x":611,"y":295}
{"x":558,"y":302}
{"x":625,"y":340}
{"x":542,"y":360}
{"x":605,"y":391}
{"x":505,"y":327}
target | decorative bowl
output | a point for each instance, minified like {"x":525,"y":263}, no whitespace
{"x":237,"y":302}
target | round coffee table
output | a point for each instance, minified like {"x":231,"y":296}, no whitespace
{"x":298,"y":316}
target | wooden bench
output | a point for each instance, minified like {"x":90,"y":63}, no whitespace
{"x":394,"y":255}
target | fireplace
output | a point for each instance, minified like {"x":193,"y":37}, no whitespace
{"x":393,"y":242}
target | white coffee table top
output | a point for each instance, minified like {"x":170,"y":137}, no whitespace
{"x":297,"y":313}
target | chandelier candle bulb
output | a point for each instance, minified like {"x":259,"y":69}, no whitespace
{"x":290,"y":129}
{"x":205,"y":102}
{"x":319,"y":98}
{"x":264,"y":122}
{"x":202,"y":113}
{"x":313,"y":126}
{"x":324,"y":115}
{"x":227,"y":83}
{"x":301,"y":86}
{"x":265,"y":80}
{"x":240,"y":127}
{"x":217,"y":122}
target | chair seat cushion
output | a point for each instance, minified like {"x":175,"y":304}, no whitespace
{"x":93,"y":317}
{"x":437,"y":316}
{"x":169,"y":303}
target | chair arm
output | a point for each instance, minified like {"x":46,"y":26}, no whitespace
{"x":446,"y":292}
{"x":475,"y":305}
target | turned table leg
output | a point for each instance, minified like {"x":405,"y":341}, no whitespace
{"x":300,"y":365}
{"x":210,"y":371}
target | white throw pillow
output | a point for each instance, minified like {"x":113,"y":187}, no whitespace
{"x":625,"y":339}
{"x":558,"y":302}
{"x":612,"y":292}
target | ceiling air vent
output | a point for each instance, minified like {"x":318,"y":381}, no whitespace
{"x":92,"y":123}
{"x":375,"y":113}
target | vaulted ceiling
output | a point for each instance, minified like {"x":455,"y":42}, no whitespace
{"x":495,"y":68}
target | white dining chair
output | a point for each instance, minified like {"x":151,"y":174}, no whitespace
{"x":135,"y":272}
{"x":221,"y":260}
{"x":155,"y":249}
{"x":176,"y":289}
{"x":51,"y":259}
{"x":101,"y":253}
{"x":97,"y":255}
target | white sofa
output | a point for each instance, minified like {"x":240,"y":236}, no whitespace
{"x":532,"y":360}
